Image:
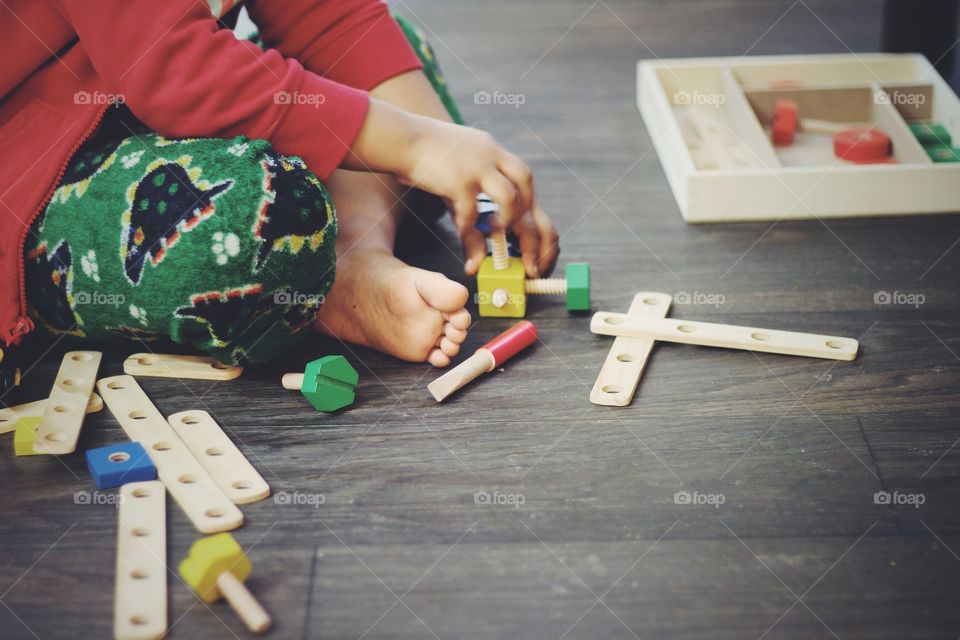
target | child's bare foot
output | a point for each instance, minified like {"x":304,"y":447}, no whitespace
{"x":380,"y":302}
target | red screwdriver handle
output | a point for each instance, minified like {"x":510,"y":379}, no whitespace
{"x":512,"y":341}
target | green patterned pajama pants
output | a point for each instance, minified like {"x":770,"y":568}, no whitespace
{"x":224,"y":245}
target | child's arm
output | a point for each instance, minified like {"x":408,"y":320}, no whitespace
{"x":184,"y":77}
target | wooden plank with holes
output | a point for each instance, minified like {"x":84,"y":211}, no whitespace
{"x":726,"y":336}
{"x":67,"y":403}
{"x":10,"y":415}
{"x":140,"y":595}
{"x":627,"y":358}
{"x":219,"y":456}
{"x":176,"y":366}
{"x":187,"y":481}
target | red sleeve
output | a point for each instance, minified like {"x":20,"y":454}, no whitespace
{"x":184,"y":77}
{"x":355,"y":42}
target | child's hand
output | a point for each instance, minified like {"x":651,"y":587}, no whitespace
{"x":456,"y":163}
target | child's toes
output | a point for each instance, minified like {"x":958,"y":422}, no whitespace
{"x":449,"y":347}
{"x":456,"y":335}
{"x":438,"y":358}
{"x":459,"y":319}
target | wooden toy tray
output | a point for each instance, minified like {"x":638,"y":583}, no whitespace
{"x":709,"y":119}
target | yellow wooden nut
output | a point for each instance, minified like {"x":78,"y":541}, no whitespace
{"x":208,"y":558}
{"x":501,"y":293}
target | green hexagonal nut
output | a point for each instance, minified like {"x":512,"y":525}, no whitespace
{"x":328,"y":383}
{"x":578,"y":286}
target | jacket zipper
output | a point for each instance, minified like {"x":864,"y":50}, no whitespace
{"x":23,"y":324}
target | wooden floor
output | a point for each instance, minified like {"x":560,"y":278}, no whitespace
{"x":589,"y":541}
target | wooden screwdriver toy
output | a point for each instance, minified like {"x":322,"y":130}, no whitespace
{"x":485,"y":359}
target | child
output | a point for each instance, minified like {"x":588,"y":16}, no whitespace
{"x":162,"y":178}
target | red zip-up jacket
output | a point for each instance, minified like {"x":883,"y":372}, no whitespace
{"x":182,"y":76}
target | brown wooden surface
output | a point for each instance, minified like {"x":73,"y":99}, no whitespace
{"x":599,"y":548}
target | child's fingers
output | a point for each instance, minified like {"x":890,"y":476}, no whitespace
{"x":474,"y":249}
{"x":529,"y":237}
{"x":504,"y":193}
{"x":549,"y":239}
{"x":522,"y":178}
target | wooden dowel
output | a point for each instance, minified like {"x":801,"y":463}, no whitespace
{"x":243,"y":602}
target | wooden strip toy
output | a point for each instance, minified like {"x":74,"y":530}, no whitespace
{"x":216,"y":566}
{"x":219,"y":456}
{"x":327,"y":383}
{"x":627,"y":358}
{"x":177,"y":366}
{"x":485,"y":359}
{"x":186,"y":480}
{"x":140,"y":596}
{"x":120,"y":464}
{"x":67,"y":404}
{"x":10,"y":415}
{"x":727,"y":336}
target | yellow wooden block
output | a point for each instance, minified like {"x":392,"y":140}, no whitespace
{"x":208,"y":558}
{"x":24,"y":434}
{"x":501,"y":293}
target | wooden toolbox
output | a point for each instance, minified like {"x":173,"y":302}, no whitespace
{"x":709,"y":119}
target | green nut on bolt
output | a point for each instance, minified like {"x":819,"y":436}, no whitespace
{"x":327,"y":383}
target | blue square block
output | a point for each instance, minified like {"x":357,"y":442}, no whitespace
{"x":119,"y":464}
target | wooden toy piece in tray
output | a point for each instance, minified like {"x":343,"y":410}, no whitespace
{"x":711,"y":121}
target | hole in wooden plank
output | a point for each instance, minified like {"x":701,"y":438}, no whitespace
{"x":216,"y":364}
{"x":140,"y":493}
{"x":626,"y":357}
{"x":760,"y":335}
{"x":115,"y":384}
{"x":118,"y":456}
{"x":139,"y":574}
{"x":686,"y":328}
{"x":72,"y":382}
{"x":651,"y":301}
{"x":136,"y":414}
{"x":61,"y":408}
{"x":241,"y":485}
{"x":213,"y":513}
{"x":214,"y":451}
{"x":834,"y":344}
{"x":613,"y":320}
{"x":187,"y":478}
{"x":611,"y":388}
{"x":148,"y":360}
{"x":138,"y":620}
{"x":161,"y":446}
{"x":81,"y":357}
{"x":56,"y":436}
{"x":140,"y":532}
{"x":189,"y":419}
